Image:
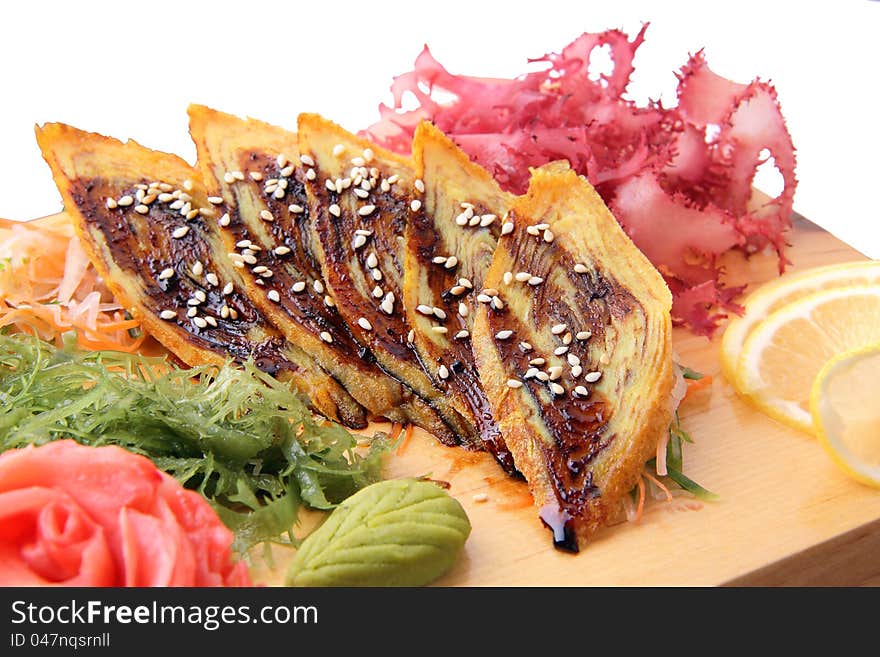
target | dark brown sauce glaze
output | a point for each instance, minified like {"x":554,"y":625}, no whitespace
{"x":458,"y":357}
{"x":141,"y":246}
{"x":577,"y":426}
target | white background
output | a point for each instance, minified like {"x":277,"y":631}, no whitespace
{"x":130,"y":69}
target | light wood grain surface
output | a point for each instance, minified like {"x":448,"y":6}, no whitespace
{"x":786,"y":515}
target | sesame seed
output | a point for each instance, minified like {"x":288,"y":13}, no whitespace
{"x":365,"y":233}
{"x":139,"y":196}
{"x":192,"y":312}
{"x":490,"y":291}
{"x":359,"y":241}
{"x":168,"y":314}
{"x":180,"y":232}
{"x":419,"y":184}
{"x":439,"y":313}
{"x":461,"y":219}
{"x":583,"y":335}
{"x":487,"y":220}
{"x":468,"y":206}
{"x":224,"y":311}
{"x":287,"y":171}
{"x":228,"y":288}
{"x":542,"y":226}
{"x":198,"y":321}
{"x":335,"y":210}
{"x":188,"y":185}
{"x":274,"y":296}
{"x":148,"y":199}
{"x":224,"y":220}
{"x":439,"y":329}
{"x":295,"y":209}
{"x":573,"y":360}
{"x":366,"y":210}
{"x":215,"y":200}
{"x":503,"y":335}
{"x":439,"y":260}
{"x":415,"y":205}
{"x":484,"y":298}
{"x":387,"y":305}
{"x":200,"y":295}
{"x":537,"y":361}
{"x":329,"y":184}
{"x":523,"y":276}
{"x":211,"y":321}
{"x":532,"y":230}
{"x":576,"y":371}
{"x":474,"y":221}
{"x":256,"y":175}
{"x":192,"y":214}
{"x":376,"y":274}
{"x":457,"y":290}
{"x":525,"y":346}
{"x":166,"y":273}
{"x":377,"y":292}
{"x":581,"y":391}
{"x":557,"y":329}
{"x":507,"y":278}
{"x":299,"y":286}
{"x":536,"y":280}
{"x":248,"y":259}
{"x":548,"y":236}
{"x":361,"y":193}
{"x":425,"y":310}
{"x":205,"y":212}
{"x":260,"y":269}
{"x":165,"y":197}
{"x":325,"y":336}
{"x":228,"y":178}
{"x":557,"y":389}
{"x":329,"y":302}
{"x":514,"y":383}
{"x":581,"y":269}
{"x":531,"y":373}
{"x":243,"y":244}
{"x":176,"y":205}
{"x":507,"y":228}
{"x":497,"y":303}
{"x":461,"y":335}
{"x":443,"y":372}
{"x":212,"y":279}
{"x":358,"y":161}
{"x":393,"y":178}
{"x":307,"y":159}
{"x":559,"y":351}
{"x":198,"y":268}
{"x":338,"y":150}
{"x":141,"y":209}
{"x":310,"y":174}
{"x":411,"y":336}
{"x":318,"y":287}
{"x":465,"y":283}
{"x":480,"y":497}
{"x":364,"y":323}
{"x":542,"y":376}
{"x":451,"y":262}
{"x":463,"y":309}
{"x":372,"y":260}
{"x":592,"y":377}
{"x":566,"y":339}
{"x":265,"y":215}
{"x":281,"y":250}
{"x":111,"y":203}
{"x":554,"y":372}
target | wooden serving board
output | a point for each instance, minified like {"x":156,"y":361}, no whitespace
{"x":786,"y":516}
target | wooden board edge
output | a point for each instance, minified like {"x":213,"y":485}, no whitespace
{"x":839,"y":561}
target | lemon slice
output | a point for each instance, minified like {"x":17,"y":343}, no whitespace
{"x":845,"y":405}
{"x":787,"y":289}
{"x":786,"y":350}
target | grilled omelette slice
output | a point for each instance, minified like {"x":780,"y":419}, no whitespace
{"x":578,"y":365}
{"x":150,"y":229}
{"x":361,"y":198}
{"x":257,"y":169}
{"x":448,"y":248}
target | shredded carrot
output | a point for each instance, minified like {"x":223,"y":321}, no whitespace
{"x":693,"y":385}
{"x":660,"y":485}
{"x":396,"y":428}
{"x":660,"y":461}
{"x":48,"y":288}
{"x":407,"y":436}
{"x":641,"y":505}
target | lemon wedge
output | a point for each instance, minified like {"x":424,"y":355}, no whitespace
{"x":783,"y":291}
{"x":845,"y":406}
{"x":786,"y":350}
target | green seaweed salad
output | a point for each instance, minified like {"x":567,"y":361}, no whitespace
{"x":241,"y":438}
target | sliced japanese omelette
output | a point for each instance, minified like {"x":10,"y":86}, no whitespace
{"x":257,"y":169}
{"x":448,"y":249}
{"x":577,"y":366}
{"x":360,"y":200}
{"x":150,"y":229}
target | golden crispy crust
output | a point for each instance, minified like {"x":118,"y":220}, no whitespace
{"x":581,"y":453}
{"x":449,"y":180}
{"x":130,"y":245}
